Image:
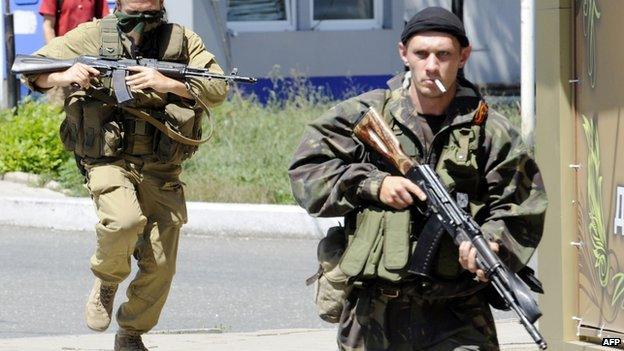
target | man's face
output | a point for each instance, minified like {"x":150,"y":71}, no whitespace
{"x":430,"y":56}
{"x":132,"y":7}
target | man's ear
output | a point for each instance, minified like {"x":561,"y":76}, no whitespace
{"x":464,"y":54}
{"x":402,"y":52}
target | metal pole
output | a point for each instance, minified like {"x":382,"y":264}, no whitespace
{"x":457,"y":7}
{"x":9,"y":44}
{"x":527,"y":70}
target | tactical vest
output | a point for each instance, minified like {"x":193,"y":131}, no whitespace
{"x":381,"y":241}
{"x":97,"y":129}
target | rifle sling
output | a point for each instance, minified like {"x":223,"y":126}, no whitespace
{"x":100,"y":95}
{"x":164,"y":128}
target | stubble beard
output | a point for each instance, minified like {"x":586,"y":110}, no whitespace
{"x":425,"y":91}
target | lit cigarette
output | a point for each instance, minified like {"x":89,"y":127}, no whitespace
{"x":440,"y":86}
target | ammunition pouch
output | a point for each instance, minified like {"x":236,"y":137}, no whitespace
{"x":331,"y":283}
{"x":458,"y":167}
{"x":379,"y":247}
{"x":184,"y":120}
{"x":139,"y":136}
{"x":91,"y":128}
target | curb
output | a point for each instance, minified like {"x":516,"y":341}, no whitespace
{"x":212,"y":219}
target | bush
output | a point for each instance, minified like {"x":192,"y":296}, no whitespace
{"x":29,"y":140}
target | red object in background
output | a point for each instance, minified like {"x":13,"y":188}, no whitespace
{"x":73,"y":12}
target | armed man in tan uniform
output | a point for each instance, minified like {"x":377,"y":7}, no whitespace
{"x":132,"y":168}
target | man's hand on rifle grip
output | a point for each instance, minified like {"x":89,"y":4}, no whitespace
{"x":79,"y":73}
{"x":397,"y":192}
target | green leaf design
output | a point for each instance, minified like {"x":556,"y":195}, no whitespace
{"x":597,"y":228}
{"x":618,"y":290}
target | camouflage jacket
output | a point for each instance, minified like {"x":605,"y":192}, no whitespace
{"x":334,"y":174}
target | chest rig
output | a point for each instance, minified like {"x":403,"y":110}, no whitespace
{"x":161,"y":125}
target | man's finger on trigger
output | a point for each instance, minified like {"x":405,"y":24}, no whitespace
{"x":416,"y":190}
{"x":92,"y":70}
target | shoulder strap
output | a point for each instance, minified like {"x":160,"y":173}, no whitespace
{"x":163,"y":128}
{"x":175,"y":46}
{"x":111,"y":43}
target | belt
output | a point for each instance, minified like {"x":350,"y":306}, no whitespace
{"x":411,"y":287}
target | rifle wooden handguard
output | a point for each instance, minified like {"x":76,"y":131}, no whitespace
{"x":373,"y":131}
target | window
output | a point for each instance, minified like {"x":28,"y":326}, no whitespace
{"x":261,"y":15}
{"x":346,"y":14}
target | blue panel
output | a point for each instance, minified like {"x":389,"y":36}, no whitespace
{"x":339,"y":87}
{"x":26,"y":2}
{"x":31,"y":42}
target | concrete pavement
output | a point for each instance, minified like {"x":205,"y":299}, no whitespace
{"x":511,"y":335}
{"x":58,"y":211}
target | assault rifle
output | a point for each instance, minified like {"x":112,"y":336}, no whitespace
{"x":117,"y":69}
{"x":444,"y":213}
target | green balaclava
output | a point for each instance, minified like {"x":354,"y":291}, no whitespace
{"x":136,"y":25}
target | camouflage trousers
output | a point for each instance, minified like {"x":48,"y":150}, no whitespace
{"x":374,"y":321}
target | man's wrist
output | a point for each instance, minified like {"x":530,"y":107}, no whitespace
{"x":46,"y":81}
{"x":369,"y":188}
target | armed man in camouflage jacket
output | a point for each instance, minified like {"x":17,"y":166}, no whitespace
{"x":482,"y":161}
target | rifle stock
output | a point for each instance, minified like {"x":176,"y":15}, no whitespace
{"x":441,"y":208}
{"x":36,"y":64}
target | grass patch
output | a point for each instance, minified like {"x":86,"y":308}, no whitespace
{"x":252,"y":145}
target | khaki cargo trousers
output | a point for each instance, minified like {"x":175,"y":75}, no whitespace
{"x":141,"y":208}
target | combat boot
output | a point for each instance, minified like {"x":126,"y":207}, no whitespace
{"x":100,"y":305}
{"x":127,"y":341}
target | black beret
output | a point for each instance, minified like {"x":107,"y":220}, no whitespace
{"x":435,"y":19}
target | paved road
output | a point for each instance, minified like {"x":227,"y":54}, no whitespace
{"x":239,"y":285}
{"x":235,"y":284}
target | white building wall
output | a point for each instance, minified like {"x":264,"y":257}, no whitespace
{"x":492,"y":26}
{"x":322,"y":52}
